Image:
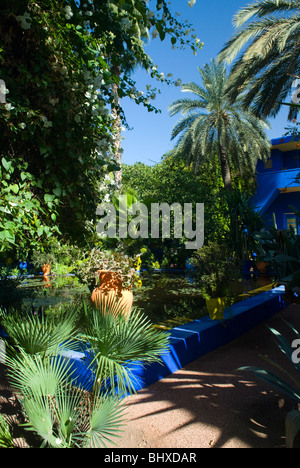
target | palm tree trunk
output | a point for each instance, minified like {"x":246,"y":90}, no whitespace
{"x":225,"y":168}
{"x":115,"y":110}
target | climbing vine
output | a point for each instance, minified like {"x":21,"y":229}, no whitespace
{"x":57,"y":88}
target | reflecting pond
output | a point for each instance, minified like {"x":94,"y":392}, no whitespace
{"x":168,"y":299}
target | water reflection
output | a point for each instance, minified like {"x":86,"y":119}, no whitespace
{"x":165,"y":298}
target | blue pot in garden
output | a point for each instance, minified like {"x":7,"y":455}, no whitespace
{"x":23,"y":265}
{"x":188,"y":265}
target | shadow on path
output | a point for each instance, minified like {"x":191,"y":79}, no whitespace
{"x":210,"y":403}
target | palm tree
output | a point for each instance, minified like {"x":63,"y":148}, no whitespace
{"x":266,"y":48}
{"x":212,"y":125}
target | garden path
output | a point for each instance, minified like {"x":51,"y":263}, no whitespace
{"x":209,"y":403}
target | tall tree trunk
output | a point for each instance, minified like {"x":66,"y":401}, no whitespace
{"x":225,"y":168}
{"x":115,"y":110}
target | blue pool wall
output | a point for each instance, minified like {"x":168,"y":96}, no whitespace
{"x":194,"y":339}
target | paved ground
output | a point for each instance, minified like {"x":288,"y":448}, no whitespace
{"x":210,"y":403}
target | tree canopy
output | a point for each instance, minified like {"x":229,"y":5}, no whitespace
{"x":212,"y":125}
{"x":57,"y":133}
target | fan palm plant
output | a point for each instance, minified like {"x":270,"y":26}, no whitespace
{"x":35,"y":334}
{"x":212,"y":125}
{"x":116,"y":343}
{"x":6,"y":440}
{"x":61,"y":413}
{"x":266,"y":48}
{"x":58,"y":408}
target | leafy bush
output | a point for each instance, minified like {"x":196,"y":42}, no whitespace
{"x":114,"y":261}
{"x":215,"y":269}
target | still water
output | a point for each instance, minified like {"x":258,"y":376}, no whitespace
{"x":167,"y":299}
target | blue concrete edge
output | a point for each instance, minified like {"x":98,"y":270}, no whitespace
{"x":194,"y":339}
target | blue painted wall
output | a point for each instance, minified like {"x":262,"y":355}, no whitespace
{"x":281,"y":206}
{"x":194,"y":339}
{"x":272,"y":178}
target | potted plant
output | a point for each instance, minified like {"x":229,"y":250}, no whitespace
{"x":43,"y":260}
{"x":216,"y":269}
{"x":281,"y":249}
{"x":110,"y":276}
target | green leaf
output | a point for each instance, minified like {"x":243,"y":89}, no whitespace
{"x":15,"y":188}
{"x":44,"y":149}
{"x":6,"y":440}
{"x":106,"y":420}
{"x":7,"y":236}
{"x":6,"y":164}
{"x":57,"y":192}
{"x":49,"y":198}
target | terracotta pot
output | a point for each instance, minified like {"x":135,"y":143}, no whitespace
{"x":110,"y":294}
{"x":46,"y":267}
{"x":216,"y":307}
{"x":46,"y":282}
{"x":262,"y":266}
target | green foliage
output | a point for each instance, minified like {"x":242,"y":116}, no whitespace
{"x":50,"y":126}
{"x":116,"y":344}
{"x":6,"y":440}
{"x":64,"y":257}
{"x":59,"y":410}
{"x":57,"y":132}
{"x":215,"y":269}
{"x":115,"y":261}
{"x":36,"y":334}
{"x":282,"y":250}
{"x":61,"y":414}
{"x":244,"y":223}
{"x":172,"y":181}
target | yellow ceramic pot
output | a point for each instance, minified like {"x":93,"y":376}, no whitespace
{"x":216,"y":307}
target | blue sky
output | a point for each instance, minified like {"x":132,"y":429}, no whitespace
{"x":150,"y":137}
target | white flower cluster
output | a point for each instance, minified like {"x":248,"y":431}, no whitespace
{"x":47,"y":123}
{"x":104,"y":149}
{"x":68,"y":12}
{"x":25,"y":20}
{"x":3,"y":92}
{"x":191,"y":3}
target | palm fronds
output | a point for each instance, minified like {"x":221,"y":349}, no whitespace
{"x":212,"y":124}
{"x":36,"y":334}
{"x":266,"y":53}
{"x":116,"y":342}
{"x":6,"y":440}
{"x":59,"y":408}
{"x":289,"y":386}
